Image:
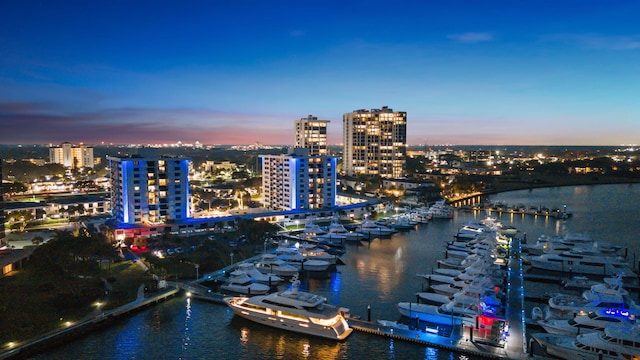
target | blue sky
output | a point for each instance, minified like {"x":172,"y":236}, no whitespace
{"x":238,"y":72}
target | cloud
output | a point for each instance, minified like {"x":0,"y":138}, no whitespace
{"x":597,"y":42}
{"x":471,"y":37}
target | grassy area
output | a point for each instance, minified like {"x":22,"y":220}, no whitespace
{"x":31,"y":305}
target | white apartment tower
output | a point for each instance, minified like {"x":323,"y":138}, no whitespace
{"x":311,"y":134}
{"x":71,"y":156}
{"x":149,"y":190}
{"x":298,"y":181}
{"x":375,"y":142}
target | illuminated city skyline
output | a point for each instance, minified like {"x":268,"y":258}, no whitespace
{"x":465,"y":72}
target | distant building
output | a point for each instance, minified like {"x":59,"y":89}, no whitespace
{"x":311,"y":134}
{"x":71,"y":156}
{"x":210,"y":165}
{"x":298,"y":181}
{"x":2,"y":213}
{"x":149,"y":190}
{"x":375,"y":142}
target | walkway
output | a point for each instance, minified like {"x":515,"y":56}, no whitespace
{"x":516,"y":341}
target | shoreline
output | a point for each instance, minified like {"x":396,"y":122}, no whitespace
{"x":518,"y":186}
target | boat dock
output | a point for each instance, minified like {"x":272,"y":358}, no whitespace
{"x":460,"y":345}
{"x":468,"y":340}
{"x":519,"y":210}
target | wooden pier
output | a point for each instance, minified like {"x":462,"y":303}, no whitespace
{"x":531,"y":210}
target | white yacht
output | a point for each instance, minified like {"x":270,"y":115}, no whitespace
{"x":239,"y":282}
{"x":255,"y":274}
{"x":446,"y":314}
{"x":314,"y":232}
{"x":562,"y":306}
{"x":293,"y":310}
{"x":594,"y":321}
{"x":269,"y":263}
{"x":440,"y":210}
{"x":612,"y":344}
{"x":336,"y":228}
{"x":370,"y":228}
{"x":293,"y":257}
{"x":583,"y":262}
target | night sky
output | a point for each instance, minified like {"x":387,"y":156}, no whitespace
{"x":238,"y":72}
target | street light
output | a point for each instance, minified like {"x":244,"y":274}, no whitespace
{"x":197,"y":273}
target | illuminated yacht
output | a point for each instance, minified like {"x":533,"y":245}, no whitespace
{"x":612,"y":344}
{"x":607,"y":296}
{"x":582,"y":261}
{"x":592,"y":322}
{"x":293,"y":310}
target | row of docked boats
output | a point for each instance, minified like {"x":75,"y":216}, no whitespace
{"x":577,"y":253}
{"x":601,"y":322}
{"x":600,"y":332}
{"x":293,"y":309}
{"x":466,"y":289}
{"x":336,"y":233}
{"x":286,"y":261}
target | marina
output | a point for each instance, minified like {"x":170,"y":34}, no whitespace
{"x":385,"y":269}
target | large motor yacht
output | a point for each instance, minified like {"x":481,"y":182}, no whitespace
{"x":613,"y":343}
{"x":293,"y":310}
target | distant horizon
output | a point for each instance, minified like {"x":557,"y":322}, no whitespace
{"x":175,"y":145}
{"x":467,"y":72}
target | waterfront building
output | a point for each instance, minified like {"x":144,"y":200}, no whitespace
{"x":311,"y":134}
{"x":149,"y":190}
{"x":375,"y":142}
{"x":298,"y":181}
{"x":71,"y":156}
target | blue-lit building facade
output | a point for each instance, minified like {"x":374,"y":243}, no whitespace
{"x":149,"y":191}
{"x":297,"y":181}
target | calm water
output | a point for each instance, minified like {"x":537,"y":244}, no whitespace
{"x":380,"y":275}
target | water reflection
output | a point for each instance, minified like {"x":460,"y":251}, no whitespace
{"x":186,"y":337}
{"x":275,"y":343}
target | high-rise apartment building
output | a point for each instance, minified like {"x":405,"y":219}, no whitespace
{"x":149,"y":190}
{"x":311,"y":134}
{"x":298,"y":181}
{"x":375,"y":142}
{"x":72,"y":156}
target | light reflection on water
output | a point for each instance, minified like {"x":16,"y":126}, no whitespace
{"x":379,"y":274}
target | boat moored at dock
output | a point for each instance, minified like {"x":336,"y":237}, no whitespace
{"x":293,"y":310}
